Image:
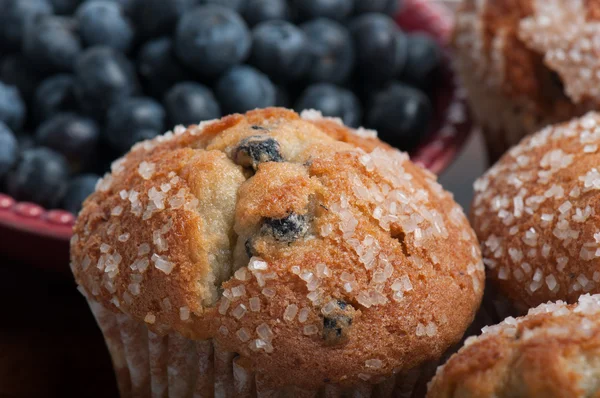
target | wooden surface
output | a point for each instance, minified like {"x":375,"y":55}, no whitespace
{"x":50,"y":345}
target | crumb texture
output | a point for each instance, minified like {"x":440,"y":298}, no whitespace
{"x":316,"y":252}
{"x":554,"y":351}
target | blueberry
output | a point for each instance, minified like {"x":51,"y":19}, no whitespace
{"x":9,"y":149}
{"x":249,"y":248}
{"x":40,"y":176}
{"x":389,"y":7}
{"x":258,"y":11}
{"x":104,"y":23}
{"x":126,"y":5}
{"x":423,"y":60}
{"x":12,"y":107}
{"x":331,"y":51}
{"x":15,"y":16}
{"x":338,"y":323}
{"x":401,"y":114}
{"x":190,"y":103}
{"x":237,"y":5}
{"x":211,"y":39}
{"x":287,"y":229}
{"x":257,"y":149}
{"x":71,"y":135}
{"x":133,"y":120}
{"x":158,"y":66}
{"x":155,"y":18}
{"x":379,"y":47}
{"x":280,"y":49}
{"x":244,"y":88}
{"x":52,"y":43}
{"x":332,"y":9}
{"x":78,"y":190}
{"x":25,"y":141}
{"x":54,"y":95}
{"x":65,"y":7}
{"x":331,"y":101}
{"x":102,"y":77}
{"x":16,"y":70}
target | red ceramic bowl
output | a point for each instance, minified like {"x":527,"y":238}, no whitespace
{"x":40,"y":237}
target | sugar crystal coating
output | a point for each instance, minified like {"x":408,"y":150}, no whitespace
{"x":522,"y":350}
{"x":552,"y":253}
{"x":268,"y":250}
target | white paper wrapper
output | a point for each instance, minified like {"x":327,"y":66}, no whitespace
{"x":149,"y":365}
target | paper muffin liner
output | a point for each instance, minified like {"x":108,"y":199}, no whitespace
{"x":149,"y":365}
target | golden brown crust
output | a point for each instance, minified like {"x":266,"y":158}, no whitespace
{"x":552,"y":352}
{"x":536,"y":217}
{"x":345,"y":236}
{"x":526,"y":64}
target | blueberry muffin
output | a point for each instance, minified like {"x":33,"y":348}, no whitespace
{"x":552,"y":352}
{"x":526,"y":64}
{"x":535,"y":213}
{"x":274,"y":253}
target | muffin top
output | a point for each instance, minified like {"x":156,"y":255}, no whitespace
{"x":551,"y":352}
{"x":539,"y":51}
{"x":315,"y":251}
{"x":535,"y":213}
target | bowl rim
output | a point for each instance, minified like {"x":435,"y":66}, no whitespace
{"x":435,"y":154}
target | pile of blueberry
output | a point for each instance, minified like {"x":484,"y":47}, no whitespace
{"x":83,"y":80}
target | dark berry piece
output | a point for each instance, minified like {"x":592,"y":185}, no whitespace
{"x":52,"y":43}
{"x":190,"y":103}
{"x":15,"y":15}
{"x":103,"y":76}
{"x":211,"y":39}
{"x":337,"y":324}
{"x":159,"y":68}
{"x":389,"y":7}
{"x":78,"y":190}
{"x":249,"y":247}
{"x":380,"y":47}
{"x":9,"y":149}
{"x":73,"y":136}
{"x":331,"y":101}
{"x":54,"y":95}
{"x":16,"y":70}
{"x":401,"y":115}
{"x":243,"y":88}
{"x":424,"y":57}
{"x":257,"y":149}
{"x":155,"y":18}
{"x":287,"y":229}
{"x":133,"y":120}
{"x":332,"y":9}
{"x":237,"y":5}
{"x":331,"y":51}
{"x":41,"y":176}
{"x":259,"y":11}
{"x":65,"y":7}
{"x":12,"y":107}
{"x":104,"y":23}
{"x":280,"y":49}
